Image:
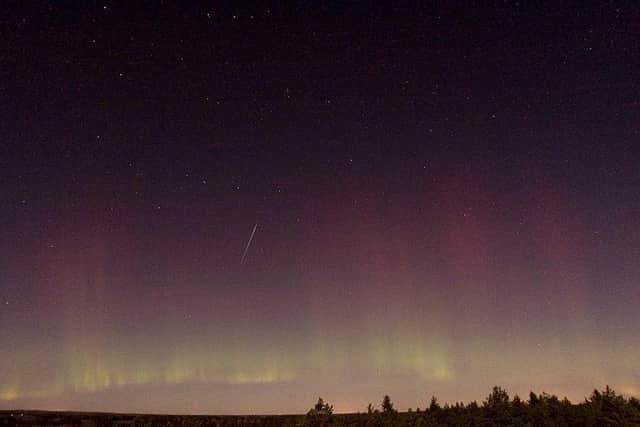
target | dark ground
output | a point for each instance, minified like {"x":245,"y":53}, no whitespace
{"x":46,"y":418}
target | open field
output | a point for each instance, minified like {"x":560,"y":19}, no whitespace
{"x":47,"y":418}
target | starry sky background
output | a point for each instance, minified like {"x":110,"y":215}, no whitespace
{"x":446,"y":199}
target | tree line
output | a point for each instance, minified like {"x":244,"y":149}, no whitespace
{"x":601,"y":408}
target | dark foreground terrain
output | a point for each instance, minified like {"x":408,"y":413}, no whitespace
{"x":602,"y":408}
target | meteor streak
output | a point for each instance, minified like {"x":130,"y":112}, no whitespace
{"x":246,"y":249}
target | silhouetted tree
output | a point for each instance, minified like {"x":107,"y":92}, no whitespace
{"x":497,"y":398}
{"x":608,"y":409}
{"x":496,"y":407}
{"x":387,"y":405}
{"x":433,"y":404}
{"x":322,"y":407}
{"x":320,"y":414}
{"x":374,"y":418}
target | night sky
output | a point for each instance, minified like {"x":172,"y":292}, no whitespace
{"x":227,"y":209}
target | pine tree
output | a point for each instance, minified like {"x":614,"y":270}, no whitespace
{"x":387,"y":405}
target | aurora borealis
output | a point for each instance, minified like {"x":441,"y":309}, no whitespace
{"x":445,"y":199}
